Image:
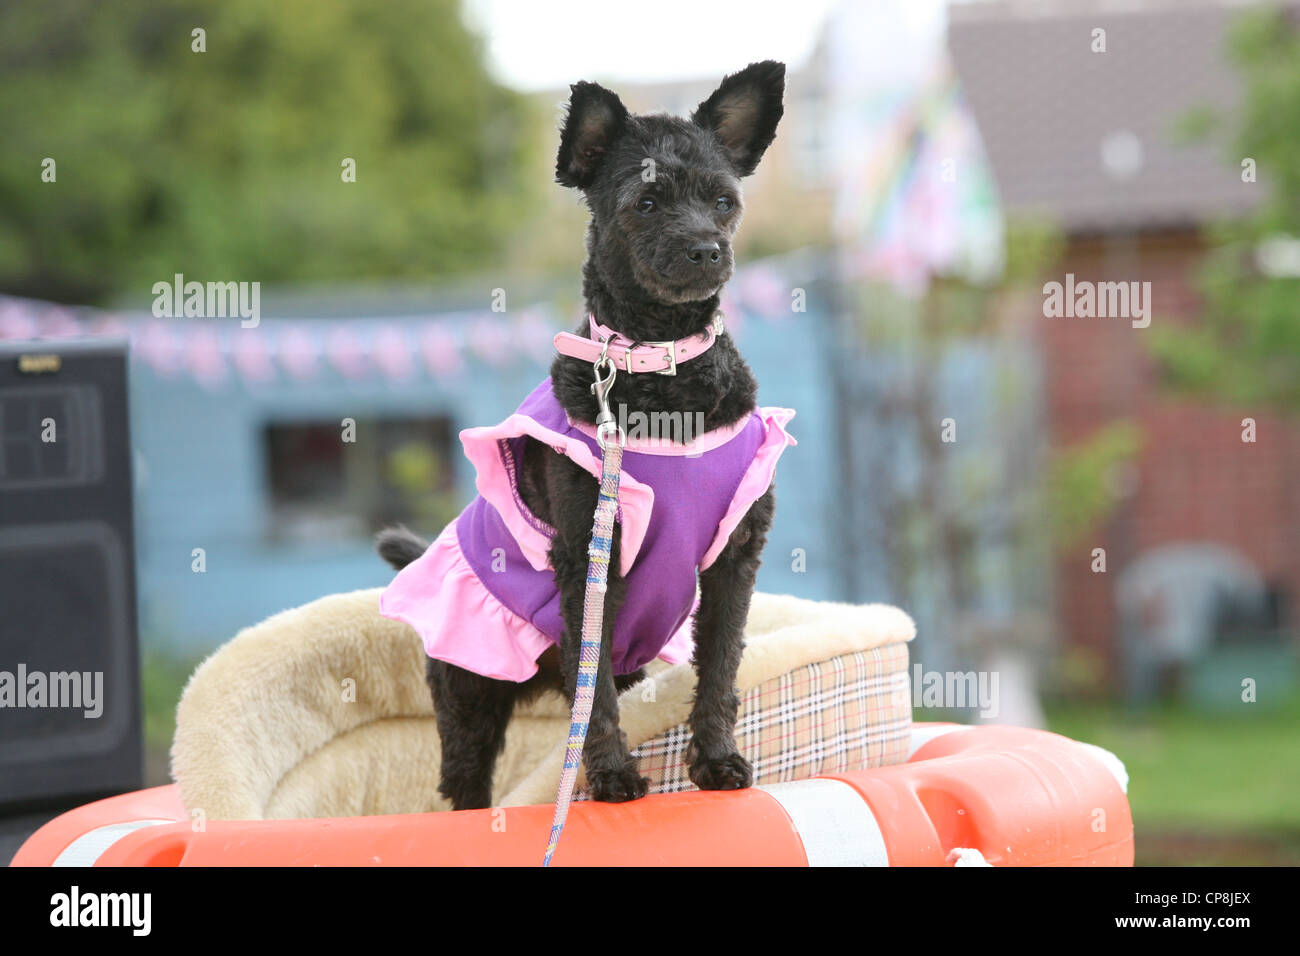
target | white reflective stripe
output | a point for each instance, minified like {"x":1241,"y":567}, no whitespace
{"x":86,"y":849}
{"x":922,"y":735}
{"x":967,"y":856}
{"x":1113,"y":763}
{"x":833,"y":821}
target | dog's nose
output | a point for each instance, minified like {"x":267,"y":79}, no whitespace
{"x":700,"y":251}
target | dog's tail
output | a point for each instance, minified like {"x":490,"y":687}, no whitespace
{"x":399,"y":547}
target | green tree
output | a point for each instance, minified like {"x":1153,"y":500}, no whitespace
{"x":1247,"y":348}
{"x":227,"y":164}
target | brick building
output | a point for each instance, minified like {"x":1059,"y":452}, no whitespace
{"x":1084,"y":139}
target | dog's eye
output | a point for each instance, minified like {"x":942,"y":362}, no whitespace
{"x":725,"y":203}
{"x":645,"y":204}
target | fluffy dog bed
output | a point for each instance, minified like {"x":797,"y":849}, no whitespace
{"x":323,"y":711}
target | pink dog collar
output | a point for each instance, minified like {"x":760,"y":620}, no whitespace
{"x":629,"y":356}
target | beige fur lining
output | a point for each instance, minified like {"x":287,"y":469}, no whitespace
{"x":323,"y":710}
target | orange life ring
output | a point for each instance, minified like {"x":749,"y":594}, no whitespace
{"x":1005,"y":796}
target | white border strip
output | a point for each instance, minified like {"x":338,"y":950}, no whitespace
{"x":86,"y":849}
{"x":835,"y":824}
{"x":1113,"y":763}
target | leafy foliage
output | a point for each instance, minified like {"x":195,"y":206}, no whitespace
{"x":1247,"y":348}
{"x":226,"y":164}
{"x":1080,"y":488}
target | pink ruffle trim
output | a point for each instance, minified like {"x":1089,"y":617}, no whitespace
{"x":496,"y":485}
{"x":458,"y":619}
{"x":757,"y":479}
{"x":461,"y":622}
{"x":681,"y":645}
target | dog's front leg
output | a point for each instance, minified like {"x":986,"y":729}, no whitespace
{"x":726,"y":587}
{"x":611,"y":772}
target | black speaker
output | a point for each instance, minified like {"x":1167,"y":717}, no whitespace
{"x":70,"y":722}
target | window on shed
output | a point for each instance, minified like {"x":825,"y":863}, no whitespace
{"x":327,"y":481}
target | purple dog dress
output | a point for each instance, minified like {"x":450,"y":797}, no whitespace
{"x":483,"y":596}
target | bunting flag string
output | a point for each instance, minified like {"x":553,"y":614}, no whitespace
{"x":218,"y":353}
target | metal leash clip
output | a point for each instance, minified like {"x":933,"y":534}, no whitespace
{"x":606,"y":423}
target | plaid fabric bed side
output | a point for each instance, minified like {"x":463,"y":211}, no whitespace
{"x":848,"y":712}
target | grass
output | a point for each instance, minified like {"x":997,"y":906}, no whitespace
{"x":162,"y":678}
{"x":1205,"y":787}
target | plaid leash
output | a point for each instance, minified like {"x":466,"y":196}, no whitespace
{"x":593,"y":618}
{"x":593,"y":608}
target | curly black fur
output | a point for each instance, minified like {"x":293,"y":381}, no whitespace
{"x":399,"y":547}
{"x":642,"y":279}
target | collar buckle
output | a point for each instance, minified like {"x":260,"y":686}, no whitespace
{"x":671,"y":349}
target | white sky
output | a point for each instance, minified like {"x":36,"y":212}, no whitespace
{"x":548,"y":44}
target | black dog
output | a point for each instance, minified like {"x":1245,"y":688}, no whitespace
{"x":658,"y":254}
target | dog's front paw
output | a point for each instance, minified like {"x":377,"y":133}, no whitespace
{"x":617,"y":786}
{"x":729,"y":772}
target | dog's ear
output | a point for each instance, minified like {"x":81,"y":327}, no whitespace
{"x":743,"y":112}
{"x":595,"y":118}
